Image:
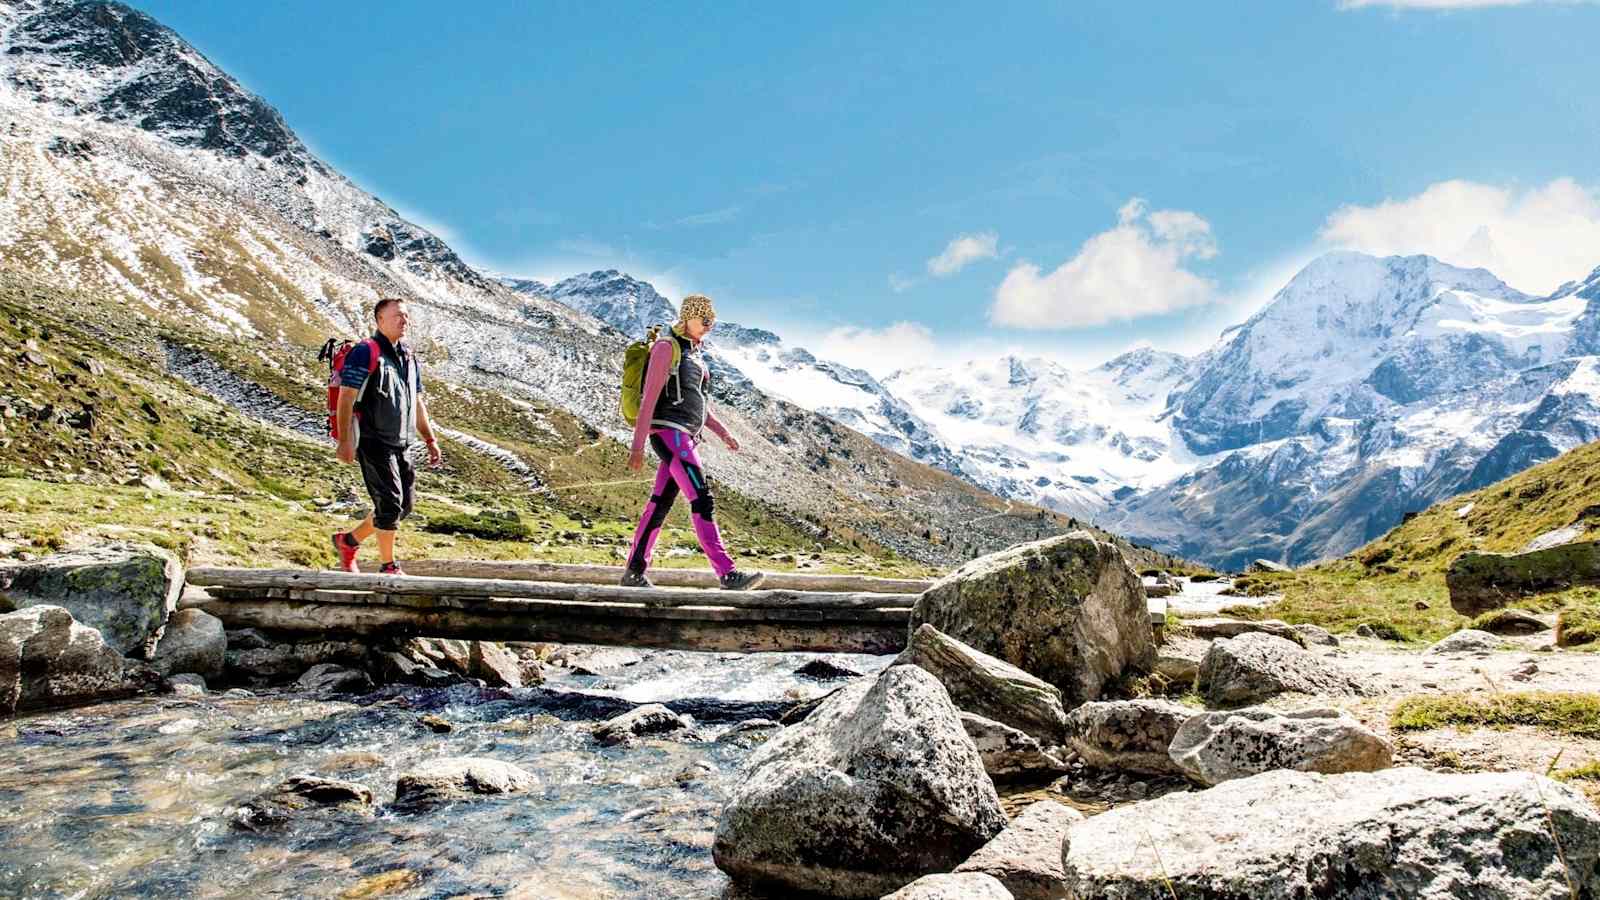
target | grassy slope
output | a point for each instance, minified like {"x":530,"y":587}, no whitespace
{"x":1386,"y":580}
{"x":251,"y":494}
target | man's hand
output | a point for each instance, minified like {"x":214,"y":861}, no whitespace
{"x":435,"y":458}
{"x":732,"y":443}
{"x":636,"y":459}
{"x":347,"y":450}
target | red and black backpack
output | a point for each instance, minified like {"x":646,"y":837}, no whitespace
{"x":335,"y":351}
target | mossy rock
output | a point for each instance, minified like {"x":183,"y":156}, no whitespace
{"x":125,"y":591}
{"x":1576,"y":627}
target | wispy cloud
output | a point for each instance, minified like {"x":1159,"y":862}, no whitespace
{"x":1454,"y":4}
{"x":880,"y":350}
{"x":962,"y":251}
{"x":714,"y":217}
{"x":1131,"y":271}
{"x":900,"y":283}
{"x":1533,"y":238}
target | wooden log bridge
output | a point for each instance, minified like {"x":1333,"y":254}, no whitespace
{"x":531,"y":601}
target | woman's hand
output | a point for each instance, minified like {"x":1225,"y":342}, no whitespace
{"x":732,"y":443}
{"x":636,"y":459}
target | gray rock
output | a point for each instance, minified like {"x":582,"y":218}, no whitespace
{"x":966,"y":886}
{"x":988,"y":687}
{"x":1215,"y":747}
{"x":1468,"y":640}
{"x":275,"y":809}
{"x":395,"y":667}
{"x":750,"y":733}
{"x":1267,"y":565}
{"x":1564,"y":535}
{"x":193,"y":641}
{"x":826,"y":670}
{"x":1315,"y":636}
{"x":1480,"y":582}
{"x":49,"y":661}
{"x":124,"y":591}
{"x":459,"y":778}
{"x":645,"y":720}
{"x":1026,"y":857}
{"x":875,"y":788}
{"x":332,"y":678}
{"x":1227,"y":628}
{"x":1130,"y":735}
{"x":586,"y":660}
{"x":1177,"y":668}
{"x":186,"y":686}
{"x":286,"y":662}
{"x":1514,"y":621}
{"x":1008,"y":752}
{"x":496,"y":665}
{"x":1395,"y":833}
{"x":1067,"y":610}
{"x":1253,"y":667}
{"x":247,"y":639}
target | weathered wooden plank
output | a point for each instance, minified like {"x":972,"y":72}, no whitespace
{"x":302,"y":580}
{"x":717,"y":630}
{"x":497,"y":606}
{"x":574,"y":573}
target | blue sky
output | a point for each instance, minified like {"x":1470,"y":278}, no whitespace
{"x":888,"y":181}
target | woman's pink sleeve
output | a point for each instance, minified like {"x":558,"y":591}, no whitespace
{"x":655,"y":378}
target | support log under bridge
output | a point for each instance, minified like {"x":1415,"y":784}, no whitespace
{"x":534,"y":601}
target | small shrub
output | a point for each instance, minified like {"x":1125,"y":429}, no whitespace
{"x":1242,"y":611}
{"x":48,"y":537}
{"x":1388,"y":631}
{"x":1575,"y":627}
{"x":484,"y":525}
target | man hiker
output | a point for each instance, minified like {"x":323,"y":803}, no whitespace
{"x":382,"y":392}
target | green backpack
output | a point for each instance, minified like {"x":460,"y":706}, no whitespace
{"x":634,"y":363}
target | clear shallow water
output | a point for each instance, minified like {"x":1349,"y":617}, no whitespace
{"x":136,"y":798}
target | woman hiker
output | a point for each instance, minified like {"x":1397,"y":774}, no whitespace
{"x":671,"y":416}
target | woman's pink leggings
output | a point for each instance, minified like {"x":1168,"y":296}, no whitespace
{"x":680,"y":470}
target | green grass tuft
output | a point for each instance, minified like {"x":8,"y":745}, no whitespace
{"x":1577,"y":627}
{"x":486,"y":525}
{"x":1571,"y":712}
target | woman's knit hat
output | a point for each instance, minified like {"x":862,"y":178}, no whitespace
{"x":696,"y":306}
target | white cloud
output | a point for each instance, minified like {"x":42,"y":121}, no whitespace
{"x":1134,"y":270}
{"x":1533,"y":238}
{"x":1452,"y":4}
{"x":964,"y":250}
{"x":714,"y":217}
{"x":880,"y":350}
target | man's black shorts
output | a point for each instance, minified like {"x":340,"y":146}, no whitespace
{"x":390,"y":482}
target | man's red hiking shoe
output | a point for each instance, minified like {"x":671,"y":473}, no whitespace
{"x":390,"y":568}
{"x":346,"y":553}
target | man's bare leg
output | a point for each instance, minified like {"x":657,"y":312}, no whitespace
{"x":363,"y":531}
{"x":385,"y":545}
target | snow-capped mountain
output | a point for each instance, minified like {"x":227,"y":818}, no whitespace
{"x":621,"y":301}
{"x":136,"y":170}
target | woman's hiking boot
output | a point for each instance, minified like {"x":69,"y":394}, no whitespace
{"x":630,"y":578}
{"x":346,"y":552}
{"x":742,"y":581}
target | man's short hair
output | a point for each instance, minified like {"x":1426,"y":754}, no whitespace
{"x":384,"y":304}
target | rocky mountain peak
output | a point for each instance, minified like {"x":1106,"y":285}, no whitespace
{"x":625,"y":303}
{"x":106,"y":60}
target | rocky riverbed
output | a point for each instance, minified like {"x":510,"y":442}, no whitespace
{"x":144,"y":797}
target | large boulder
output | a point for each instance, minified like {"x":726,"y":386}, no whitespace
{"x":332,"y":678}
{"x":124,"y":591}
{"x":1395,"y":833}
{"x":985,"y":686}
{"x":1007,"y":752}
{"x":1067,"y":609}
{"x":1220,"y":746}
{"x":48,"y":660}
{"x":1254,"y":667}
{"x":194,"y":641}
{"x":1480,"y":582}
{"x":459,"y":778}
{"x":967,"y":886}
{"x":875,"y":788}
{"x":1026,"y":857}
{"x":1130,"y":735}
